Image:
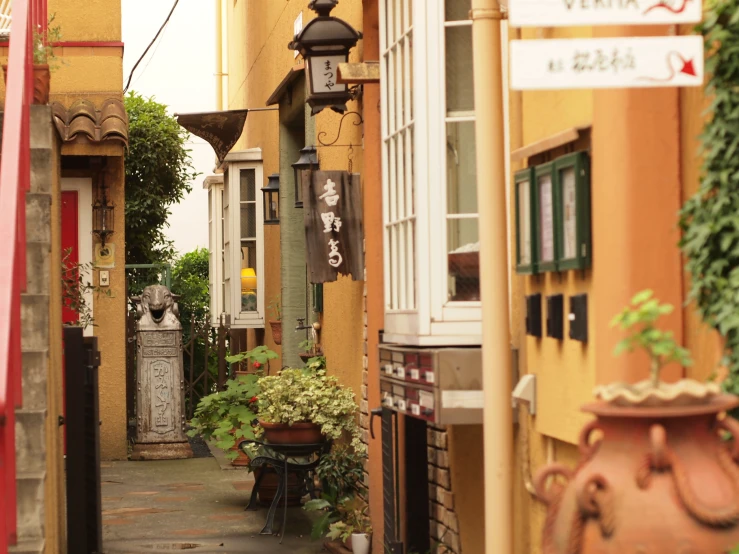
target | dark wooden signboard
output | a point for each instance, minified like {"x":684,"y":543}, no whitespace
{"x":332,"y":204}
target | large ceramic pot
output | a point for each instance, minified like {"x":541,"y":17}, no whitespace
{"x":41,"y":82}
{"x":270,"y":482}
{"x":297,"y":433}
{"x":659,"y":481}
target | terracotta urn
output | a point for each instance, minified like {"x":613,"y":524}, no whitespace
{"x":658,"y":479}
{"x":276,"y":331}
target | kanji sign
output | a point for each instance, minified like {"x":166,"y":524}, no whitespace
{"x":558,"y":13}
{"x":634,"y":62}
{"x":332,"y":204}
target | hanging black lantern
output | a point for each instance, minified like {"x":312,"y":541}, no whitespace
{"x":103,"y":214}
{"x":272,"y":200}
{"x":325,"y":43}
{"x":306,"y":164}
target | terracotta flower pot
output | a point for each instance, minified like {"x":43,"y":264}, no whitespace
{"x":276,"y":331}
{"x":242,"y":460}
{"x":660,"y":481}
{"x":41,"y":82}
{"x":270,"y":482}
{"x":297,"y":433}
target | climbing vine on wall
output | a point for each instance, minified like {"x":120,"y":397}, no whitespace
{"x":710,"y":219}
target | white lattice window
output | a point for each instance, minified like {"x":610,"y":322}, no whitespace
{"x":243,"y":239}
{"x":432,"y":289}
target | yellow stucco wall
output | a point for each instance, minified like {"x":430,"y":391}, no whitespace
{"x":258,"y":61}
{"x":92,"y":20}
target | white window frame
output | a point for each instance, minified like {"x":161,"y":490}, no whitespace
{"x":234,"y":163}
{"x":432,"y":319}
{"x":214,"y":186}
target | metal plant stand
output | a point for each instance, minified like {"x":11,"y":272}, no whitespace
{"x":284,"y":458}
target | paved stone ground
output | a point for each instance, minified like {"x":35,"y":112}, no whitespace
{"x":190,"y":506}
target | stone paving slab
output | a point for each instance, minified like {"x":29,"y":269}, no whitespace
{"x":190,"y":506}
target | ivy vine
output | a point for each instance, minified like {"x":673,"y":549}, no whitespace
{"x":710,"y":219}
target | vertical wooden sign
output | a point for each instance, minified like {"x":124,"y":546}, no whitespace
{"x":334,"y":236}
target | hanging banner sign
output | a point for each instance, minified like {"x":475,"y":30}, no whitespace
{"x":560,"y":13}
{"x":636,"y":62}
{"x":332,"y":206}
{"x":220,"y":129}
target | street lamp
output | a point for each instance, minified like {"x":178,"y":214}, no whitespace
{"x":271,"y":200}
{"x":102,"y":213}
{"x":325,"y":43}
{"x":306,"y":164}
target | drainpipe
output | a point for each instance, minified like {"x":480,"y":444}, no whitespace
{"x":219,"y":55}
{"x":491,"y":200}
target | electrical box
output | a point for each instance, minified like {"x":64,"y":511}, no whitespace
{"x":556,"y":316}
{"x":439,"y":385}
{"x":579,"y":317}
{"x":533,"y":315}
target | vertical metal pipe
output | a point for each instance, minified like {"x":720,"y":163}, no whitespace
{"x":219,"y":55}
{"x":491,"y":195}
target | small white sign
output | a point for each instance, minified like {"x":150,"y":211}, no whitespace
{"x":415,"y":374}
{"x":389,"y":369}
{"x":468,"y":399}
{"x":400,"y":372}
{"x":633,"y":62}
{"x":297,"y":27}
{"x":402,"y":406}
{"x":415,"y":409}
{"x":426,"y":399}
{"x":430,"y":377}
{"x":560,"y":13}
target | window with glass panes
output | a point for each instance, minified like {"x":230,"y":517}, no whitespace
{"x":429,"y":173}
{"x":244,"y":239}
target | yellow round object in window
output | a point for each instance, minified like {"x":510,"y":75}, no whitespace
{"x":248,"y":279}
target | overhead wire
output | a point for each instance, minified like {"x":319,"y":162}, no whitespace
{"x":130,"y":76}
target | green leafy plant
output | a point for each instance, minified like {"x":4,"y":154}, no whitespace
{"x":258,"y":357}
{"x":708,"y":220}
{"x":76,"y":287}
{"x":307,"y":345}
{"x":640,"y":319}
{"x":316,"y":363}
{"x":43,"y":45}
{"x":274,"y":305}
{"x":354,"y":520}
{"x":302,"y":395}
{"x":230,"y":415}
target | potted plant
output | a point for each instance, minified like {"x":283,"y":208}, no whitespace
{"x":309,"y":350}
{"x":635,"y":487}
{"x":276,"y":323}
{"x":258,"y":358}
{"x":306,"y":406}
{"x":341,"y":478}
{"x":354,"y":528}
{"x":44,"y":61}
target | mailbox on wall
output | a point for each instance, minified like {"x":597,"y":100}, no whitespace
{"x":439,"y":385}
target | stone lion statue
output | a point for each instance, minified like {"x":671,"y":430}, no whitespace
{"x":157,"y":306}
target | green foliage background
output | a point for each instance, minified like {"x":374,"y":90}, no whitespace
{"x":158,"y":174}
{"x":710,"y":219}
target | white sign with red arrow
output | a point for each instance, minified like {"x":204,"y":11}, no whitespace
{"x":630,"y":62}
{"x":558,"y":13}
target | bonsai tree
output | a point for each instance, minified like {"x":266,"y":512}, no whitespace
{"x":639,"y":319}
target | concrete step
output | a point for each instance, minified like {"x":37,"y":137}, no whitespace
{"x":31,"y":505}
{"x":35,"y":375}
{"x":28,"y":547}
{"x":30,"y":440}
{"x":35,"y":322}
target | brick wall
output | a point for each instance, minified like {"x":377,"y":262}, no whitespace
{"x":444,"y":524}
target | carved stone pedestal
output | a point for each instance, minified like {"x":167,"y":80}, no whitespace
{"x":160,"y":415}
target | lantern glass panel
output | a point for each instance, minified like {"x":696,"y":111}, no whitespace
{"x":324,"y":73}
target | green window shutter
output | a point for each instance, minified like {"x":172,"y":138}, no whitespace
{"x":526,"y":222}
{"x":572,"y":179}
{"x":547,"y":226}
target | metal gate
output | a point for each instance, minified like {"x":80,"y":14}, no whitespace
{"x":84,"y":505}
